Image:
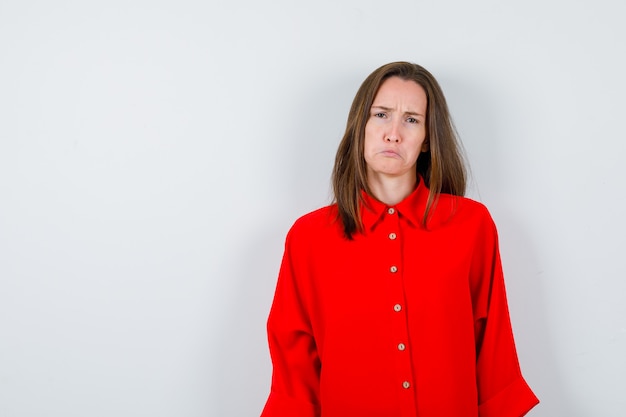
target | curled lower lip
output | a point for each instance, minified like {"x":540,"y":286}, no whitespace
{"x":389,"y":153}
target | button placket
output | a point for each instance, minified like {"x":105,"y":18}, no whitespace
{"x":393,"y":249}
{"x":392,"y":236}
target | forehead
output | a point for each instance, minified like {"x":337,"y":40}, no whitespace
{"x":398,"y":89}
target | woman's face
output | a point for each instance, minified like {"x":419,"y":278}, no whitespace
{"x":395,"y":132}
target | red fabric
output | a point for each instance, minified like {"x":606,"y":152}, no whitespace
{"x":350,"y":337}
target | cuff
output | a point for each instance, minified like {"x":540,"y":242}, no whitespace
{"x":280,"y":405}
{"x":515,"y":400}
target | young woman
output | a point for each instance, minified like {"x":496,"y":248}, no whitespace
{"x":391,"y":302}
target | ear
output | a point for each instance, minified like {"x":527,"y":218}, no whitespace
{"x":426,"y":146}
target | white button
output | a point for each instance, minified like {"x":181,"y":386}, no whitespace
{"x":391,"y":210}
{"x":397,"y":307}
{"x":406,"y":385}
{"x":393,"y":269}
{"x":401,"y":346}
{"x":392,"y":236}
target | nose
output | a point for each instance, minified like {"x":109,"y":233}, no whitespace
{"x":393,"y":135}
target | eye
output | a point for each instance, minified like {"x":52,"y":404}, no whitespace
{"x":380,"y":115}
{"x":412,"y":120}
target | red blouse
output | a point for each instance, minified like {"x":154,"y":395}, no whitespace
{"x":400,"y":321}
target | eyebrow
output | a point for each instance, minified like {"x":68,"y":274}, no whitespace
{"x":412,"y":113}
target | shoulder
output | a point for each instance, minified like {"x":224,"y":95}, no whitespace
{"x":473,"y":207}
{"x":464,"y":210}
{"x":321,"y":217}
{"x":314,"y":224}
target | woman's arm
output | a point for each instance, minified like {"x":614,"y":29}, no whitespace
{"x":296,"y":364}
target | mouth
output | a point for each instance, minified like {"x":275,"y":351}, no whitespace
{"x":389,"y":153}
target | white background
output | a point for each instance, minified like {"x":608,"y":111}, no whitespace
{"x":153,"y":154}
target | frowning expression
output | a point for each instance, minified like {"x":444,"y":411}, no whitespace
{"x":395,"y":133}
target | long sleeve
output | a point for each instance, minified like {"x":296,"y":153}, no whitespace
{"x":296,"y":364}
{"x":502,"y":390}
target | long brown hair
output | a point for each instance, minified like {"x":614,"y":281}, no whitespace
{"x":442,"y":167}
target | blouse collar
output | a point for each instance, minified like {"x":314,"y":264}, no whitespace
{"x":411,"y":208}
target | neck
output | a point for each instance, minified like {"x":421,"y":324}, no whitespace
{"x":391,"y":190}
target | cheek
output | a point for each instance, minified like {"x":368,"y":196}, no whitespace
{"x":369,"y":140}
{"x":416,"y":148}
